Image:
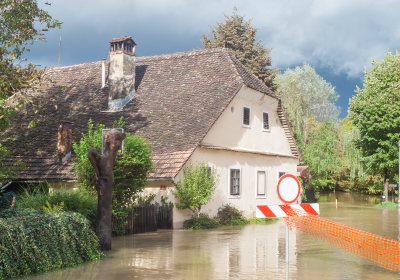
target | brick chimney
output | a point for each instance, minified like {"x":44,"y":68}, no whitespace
{"x":121,"y":74}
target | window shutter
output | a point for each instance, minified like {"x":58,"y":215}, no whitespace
{"x":246,"y":116}
{"x":266,"y":121}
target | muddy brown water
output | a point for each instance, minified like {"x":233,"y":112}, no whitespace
{"x":246,"y":252}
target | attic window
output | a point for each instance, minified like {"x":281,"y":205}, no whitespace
{"x":266,"y":121}
{"x":246,"y":116}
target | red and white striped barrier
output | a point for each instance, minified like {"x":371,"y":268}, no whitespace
{"x":280,"y":211}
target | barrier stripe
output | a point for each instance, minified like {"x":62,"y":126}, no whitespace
{"x":280,"y":211}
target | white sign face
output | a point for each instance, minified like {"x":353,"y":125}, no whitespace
{"x":288,"y":188}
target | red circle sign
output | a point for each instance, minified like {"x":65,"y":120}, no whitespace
{"x":288,"y":188}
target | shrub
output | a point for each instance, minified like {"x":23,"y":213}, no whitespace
{"x":82,"y":201}
{"x":387,"y":205}
{"x":196,"y":188}
{"x":202,"y":221}
{"x":32,"y":241}
{"x":229,"y":215}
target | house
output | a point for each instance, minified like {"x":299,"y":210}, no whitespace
{"x":192,"y":106}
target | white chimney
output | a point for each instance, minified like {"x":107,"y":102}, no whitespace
{"x":121,"y":74}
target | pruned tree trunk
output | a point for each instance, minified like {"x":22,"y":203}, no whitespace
{"x":103,"y":165}
{"x":386,"y":184}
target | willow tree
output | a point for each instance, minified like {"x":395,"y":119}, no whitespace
{"x":307,"y":97}
{"x":375,"y":112}
{"x":239,"y":36}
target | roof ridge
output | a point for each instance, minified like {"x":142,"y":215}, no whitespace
{"x":182,"y":54}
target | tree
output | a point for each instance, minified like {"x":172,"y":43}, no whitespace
{"x":130,"y":170}
{"x":19,"y":21}
{"x":375,"y":112}
{"x":196,"y":188}
{"x":238,"y":35}
{"x":307,"y":97}
{"x":321,"y":153}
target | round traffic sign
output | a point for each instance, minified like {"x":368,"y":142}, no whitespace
{"x":288,"y":188}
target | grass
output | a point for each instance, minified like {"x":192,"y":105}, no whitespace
{"x":262,"y":221}
{"x":387,"y":205}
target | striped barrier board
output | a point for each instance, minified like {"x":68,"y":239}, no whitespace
{"x":280,"y":211}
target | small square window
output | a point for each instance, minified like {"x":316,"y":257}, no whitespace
{"x":281,"y":173}
{"x":265,"y":121}
{"x":246,"y":116}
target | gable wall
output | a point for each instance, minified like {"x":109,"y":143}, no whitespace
{"x":229,"y":132}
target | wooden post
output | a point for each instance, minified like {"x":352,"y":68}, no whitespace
{"x":103,"y":165}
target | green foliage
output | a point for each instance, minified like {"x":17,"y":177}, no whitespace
{"x":130,"y":170}
{"x":35,"y":242}
{"x":202,"y":221}
{"x":352,"y":157}
{"x":387,"y":205}
{"x":321,"y":155}
{"x":196,"y":188}
{"x":229,"y":215}
{"x":262,"y":221}
{"x":303,"y":193}
{"x":48,"y":208}
{"x":166,"y":203}
{"x":81,"y":201}
{"x":307,"y":98}
{"x":239,"y":36}
{"x":19,"y":22}
{"x":375,"y":112}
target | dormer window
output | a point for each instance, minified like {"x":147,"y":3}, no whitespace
{"x":265,"y":119}
{"x":246,"y":116}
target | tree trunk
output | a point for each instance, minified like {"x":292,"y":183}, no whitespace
{"x":386,"y":184}
{"x":103,"y":165}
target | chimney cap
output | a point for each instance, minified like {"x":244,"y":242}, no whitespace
{"x":123,"y":39}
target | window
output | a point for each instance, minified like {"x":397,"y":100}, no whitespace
{"x":246,"y":116}
{"x":265,"y":121}
{"x":234,"y":180}
{"x":261,"y":183}
{"x":281,"y":173}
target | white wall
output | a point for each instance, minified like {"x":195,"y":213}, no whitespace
{"x":229,"y":132}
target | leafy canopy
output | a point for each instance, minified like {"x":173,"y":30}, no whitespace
{"x":321,"y":153}
{"x":196,"y":187}
{"x":130,"y":169}
{"x":375,"y":112}
{"x":239,"y":36}
{"x":21,"y":22}
{"x":306,"y":97}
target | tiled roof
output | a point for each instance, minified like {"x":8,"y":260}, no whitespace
{"x":178,"y":98}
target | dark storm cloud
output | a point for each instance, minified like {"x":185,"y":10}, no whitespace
{"x":339,"y":36}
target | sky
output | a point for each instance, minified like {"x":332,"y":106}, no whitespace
{"x":338,"y":37}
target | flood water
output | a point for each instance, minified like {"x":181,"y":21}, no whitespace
{"x":246,"y":252}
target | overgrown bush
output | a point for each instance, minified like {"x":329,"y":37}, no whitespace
{"x":82,"y":201}
{"x":32,"y":241}
{"x":229,"y":215}
{"x":202,"y":221}
{"x":196,"y":187}
{"x":130,"y":170}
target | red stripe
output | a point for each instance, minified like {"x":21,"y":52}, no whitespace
{"x":309,"y":209}
{"x":266,"y":211}
{"x":286,"y":209}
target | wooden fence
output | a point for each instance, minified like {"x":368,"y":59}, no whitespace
{"x":164,"y":220}
{"x":144,"y":221}
{"x":148,"y":219}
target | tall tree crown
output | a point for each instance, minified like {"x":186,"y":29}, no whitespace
{"x":238,"y":35}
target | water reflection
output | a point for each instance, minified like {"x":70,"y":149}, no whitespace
{"x":247,"y":252}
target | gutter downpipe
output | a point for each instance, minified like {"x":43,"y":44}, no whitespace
{"x":6,"y":185}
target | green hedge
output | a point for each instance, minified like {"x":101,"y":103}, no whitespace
{"x":32,"y":241}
